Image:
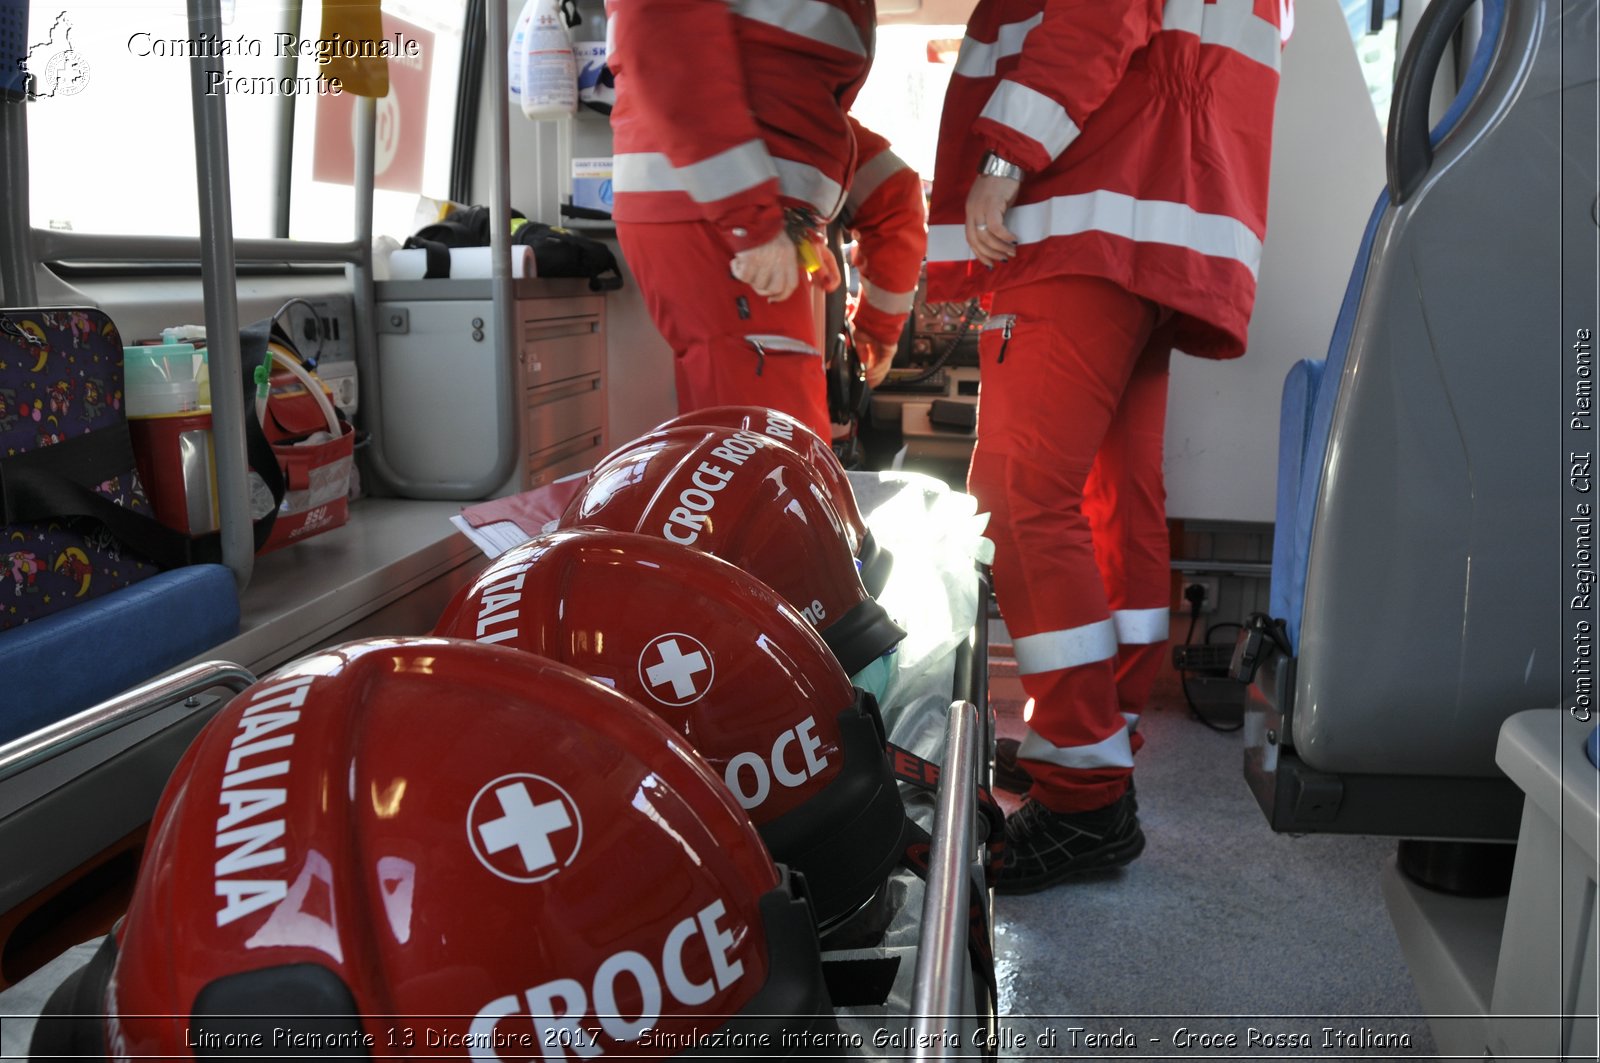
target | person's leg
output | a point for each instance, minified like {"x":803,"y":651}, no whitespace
{"x":1125,"y":501}
{"x":1050,"y":392}
{"x":730,"y":346}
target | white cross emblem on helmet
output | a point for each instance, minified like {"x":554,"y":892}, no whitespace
{"x":524,"y":828}
{"x":676,"y":669}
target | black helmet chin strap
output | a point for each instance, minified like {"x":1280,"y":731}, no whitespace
{"x":72,"y":1025}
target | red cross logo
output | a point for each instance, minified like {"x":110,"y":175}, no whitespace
{"x":524,"y":828}
{"x":676,"y":669}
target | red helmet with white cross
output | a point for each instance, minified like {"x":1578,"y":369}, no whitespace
{"x":873,"y":560}
{"x":728,"y":665}
{"x":754,"y":502}
{"x":433,"y":847}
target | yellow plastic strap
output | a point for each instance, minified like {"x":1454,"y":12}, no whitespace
{"x":359,"y":21}
{"x":808,"y":256}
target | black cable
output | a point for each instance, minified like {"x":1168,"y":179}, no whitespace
{"x":1214,"y":628}
{"x":938,"y":363}
{"x":1183,"y":675}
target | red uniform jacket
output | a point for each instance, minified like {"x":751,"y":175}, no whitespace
{"x":885,"y":211}
{"x":728,"y":112}
{"x":1145,"y":130}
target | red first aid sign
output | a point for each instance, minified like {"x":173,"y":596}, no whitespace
{"x":402,"y":121}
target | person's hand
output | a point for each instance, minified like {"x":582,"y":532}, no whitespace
{"x":772,"y":269}
{"x":875,"y":358}
{"x":987,"y":204}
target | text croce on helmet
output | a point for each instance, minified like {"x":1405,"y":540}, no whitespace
{"x":520,"y":858}
{"x":873,"y":560}
{"x":729,"y":666}
{"x":751,"y":501}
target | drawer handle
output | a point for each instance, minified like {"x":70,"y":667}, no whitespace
{"x":543,"y":396}
{"x":570,"y":449}
{"x":556,"y":330}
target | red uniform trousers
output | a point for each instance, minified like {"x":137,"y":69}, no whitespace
{"x":1071,"y":419}
{"x":731,"y":347}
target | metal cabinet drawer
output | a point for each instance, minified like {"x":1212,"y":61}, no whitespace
{"x":559,"y":412}
{"x":561,"y":348}
{"x":573,"y":455}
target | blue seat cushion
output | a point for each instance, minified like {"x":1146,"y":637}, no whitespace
{"x":1305,"y":430}
{"x":1294,"y":426}
{"x":71,"y":660}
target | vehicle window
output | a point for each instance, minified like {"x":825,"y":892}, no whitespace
{"x":904,"y":94}
{"x":111,"y":130}
{"x":1377,"y":50}
{"x":415,"y":124}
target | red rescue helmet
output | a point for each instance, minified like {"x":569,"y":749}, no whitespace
{"x":728,"y":665}
{"x":752,"y":501}
{"x":873,"y":560}
{"x":486,"y":841}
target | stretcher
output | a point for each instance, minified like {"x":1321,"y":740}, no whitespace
{"x":916,"y":981}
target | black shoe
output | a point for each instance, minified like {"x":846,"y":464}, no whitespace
{"x":1013,"y":778}
{"x":1044,"y":848}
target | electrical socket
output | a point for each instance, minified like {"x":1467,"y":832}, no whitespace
{"x":341,"y":380}
{"x":1208,"y":584}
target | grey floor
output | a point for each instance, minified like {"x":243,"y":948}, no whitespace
{"x":1219,"y":928}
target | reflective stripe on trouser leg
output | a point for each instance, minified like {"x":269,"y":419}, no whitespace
{"x":1043,"y":415}
{"x":682,"y":270}
{"x":1125,"y":501}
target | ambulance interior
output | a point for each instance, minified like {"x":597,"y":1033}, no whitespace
{"x":1373,"y":826}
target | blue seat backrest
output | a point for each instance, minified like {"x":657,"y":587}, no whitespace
{"x":69,"y":661}
{"x":1309,"y":397}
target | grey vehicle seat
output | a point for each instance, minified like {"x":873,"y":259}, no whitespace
{"x":1420,"y":575}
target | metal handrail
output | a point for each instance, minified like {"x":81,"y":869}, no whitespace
{"x":217,"y":284}
{"x":53,"y":245}
{"x":942,"y":951}
{"x":119,"y":711}
{"x":17,"y":286}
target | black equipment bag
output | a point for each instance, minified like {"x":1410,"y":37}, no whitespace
{"x":557,"y":252}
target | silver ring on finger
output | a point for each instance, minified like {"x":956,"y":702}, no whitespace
{"x":982,"y":226}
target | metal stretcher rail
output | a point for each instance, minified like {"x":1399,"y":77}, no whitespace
{"x":942,"y":954}
{"x":123,"y":709}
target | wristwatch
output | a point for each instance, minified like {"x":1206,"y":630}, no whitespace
{"x":992,"y":165}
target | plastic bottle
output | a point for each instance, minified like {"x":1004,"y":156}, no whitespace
{"x":519,"y":45}
{"x":544,"y":75}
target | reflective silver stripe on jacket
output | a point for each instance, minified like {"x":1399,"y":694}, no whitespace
{"x":1150,"y":221}
{"x":811,"y":19}
{"x":1227,"y":24}
{"x":1113,"y":752}
{"x":725,"y":174}
{"x":811,"y":186}
{"x":978,"y":58}
{"x":1141,"y":626}
{"x":1049,"y":651}
{"x":1033,"y":114}
{"x":887,"y":301}
{"x":871,"y":175}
